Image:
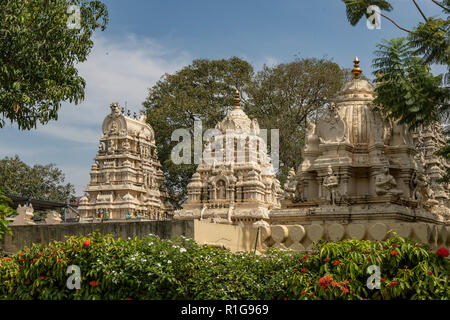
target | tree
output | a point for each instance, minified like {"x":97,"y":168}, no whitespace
{"x":45,"y":182}
{"x":287,"y":96}
{"x":41,"y":44}
{"x":406,"y":90}
{"x":5,"y":211}
{"x":200,"y":91}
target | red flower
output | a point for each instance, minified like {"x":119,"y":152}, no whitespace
{"x":304,"y":270}
{"x":344,"y":290}
{"x":86,"y":243}
{"x":394,"y":245}
{"x":21,"y":254}
{"x":42,"y":277}
{"x":336,"y":263}
{"x":442,"y":252}
{"x":382,"y":279}
{"x":391,"y":284}
{"x":369,"y":259}
{"x":6,"y":258}
{"x":304,"y":292}
{"x":311,"y":294}
{"x":364,"y":299}
{"x":429,"y":273}
{"x":326,"y":260}
{"x":394,"y":253}
{"x":325,"y":281}
{"x":33,"y":261}
{"x":27,"y":282}
{"x":285,"y":299}
{"x":305,"y":256}
{"x":405,"y":266}
{"x":22,"y":260}
{"x":93,"y":283}
{"x":39,"y":254}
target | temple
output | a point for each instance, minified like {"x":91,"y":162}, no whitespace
{"x":126,"y":178}
{"x":360,"y":166}
{"x":235,"y":183}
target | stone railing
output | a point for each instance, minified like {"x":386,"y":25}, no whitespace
{"x":301,"y":237}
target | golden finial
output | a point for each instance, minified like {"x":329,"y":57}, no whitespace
{"x":237,"y":100}
{"x":356,"y":71}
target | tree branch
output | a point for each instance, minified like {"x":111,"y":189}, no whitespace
{"x":420,"y":10}
{"x":394,"y":23}
{"x":439,"y":4}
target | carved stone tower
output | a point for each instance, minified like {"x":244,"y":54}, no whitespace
{"x":126,"y":179}
{"x":235,"y":181}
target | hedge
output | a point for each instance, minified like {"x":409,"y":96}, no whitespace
{"x":151,"y":268}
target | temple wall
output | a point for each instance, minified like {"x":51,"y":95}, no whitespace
{"x":25,"y":235}
{"x":233,"y":237}
{"x":300,"y":237}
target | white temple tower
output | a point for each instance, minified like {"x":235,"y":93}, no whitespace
{"x":126,"y":179}
{"x":236,"y":181}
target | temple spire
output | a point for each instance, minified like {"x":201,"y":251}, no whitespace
{"x":237,"y":100}
{"x":356,"y":71}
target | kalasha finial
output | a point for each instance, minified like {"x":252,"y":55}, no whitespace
{"x":356,"y":71}
{"x":237,"y":100}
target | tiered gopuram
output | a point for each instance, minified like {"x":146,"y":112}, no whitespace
{"x":236,"y":181}
{"x":126,"y":179}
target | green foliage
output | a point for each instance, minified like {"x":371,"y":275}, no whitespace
{"x":151,"y":268}
{"x":6,"y":210}
{"x":356,"y":9}
{"x":38,"y":57}
{"x":406,"y":89}
{"x":45,"y":182}
{"x":431,"y":40}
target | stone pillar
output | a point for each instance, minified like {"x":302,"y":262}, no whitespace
{"x":25,"y":216}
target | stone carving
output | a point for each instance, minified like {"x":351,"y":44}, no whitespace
{"x":385,"y":184}
{"x":121,"y":180}
{"x":330,"y":183}
{"x":378,"y":176}
{"x":24,"y":216}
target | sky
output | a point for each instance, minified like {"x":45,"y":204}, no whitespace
{"x":147,"y":38}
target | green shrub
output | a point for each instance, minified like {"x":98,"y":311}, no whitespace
{"x":151,"y":268}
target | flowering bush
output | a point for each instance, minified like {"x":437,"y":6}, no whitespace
{"x":151,"y":268}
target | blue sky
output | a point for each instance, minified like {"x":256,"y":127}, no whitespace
{"x":147,"y":38}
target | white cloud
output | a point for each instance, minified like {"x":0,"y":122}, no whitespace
{"x":117,"y":70}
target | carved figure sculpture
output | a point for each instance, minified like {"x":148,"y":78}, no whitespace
{"x":385,"y":184}
{"x":330,"y":183}
{"x":290,"y":185}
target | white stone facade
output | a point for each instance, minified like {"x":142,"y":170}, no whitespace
{"x":357,"y":165}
